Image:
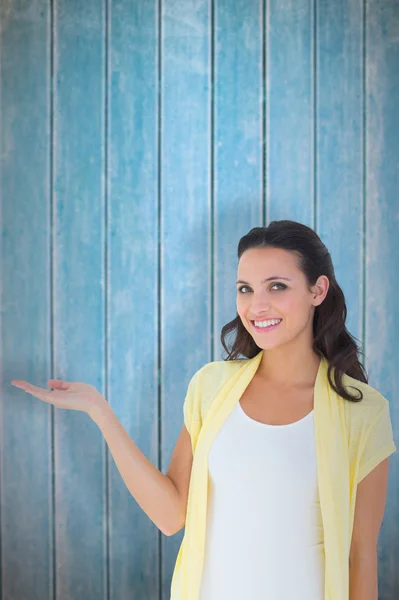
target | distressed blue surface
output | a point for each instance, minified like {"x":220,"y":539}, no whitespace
{"x":168,"y":130}
{"x":185,"y":195}
{"x":78,"y":302}
{"x":26,"y":499}
{"x":132,"y":288}
{"x":237,"y":146}
{"x":382,"y":248}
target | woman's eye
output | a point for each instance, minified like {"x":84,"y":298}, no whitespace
{"x":282,"y":287}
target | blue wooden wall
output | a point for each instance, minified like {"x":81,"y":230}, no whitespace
{"x":139,"y":141}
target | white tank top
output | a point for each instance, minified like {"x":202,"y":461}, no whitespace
{"x":264,"y":537}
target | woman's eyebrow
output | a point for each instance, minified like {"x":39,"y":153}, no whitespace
{"x":267,"y":279}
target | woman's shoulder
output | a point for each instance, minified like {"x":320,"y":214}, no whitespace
{"x":372,"y":403}
{"x":369,"y":427}
{"x":215,"y":373}
{"x":221,"y":367}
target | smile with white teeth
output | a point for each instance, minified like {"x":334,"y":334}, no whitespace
{"x":267,"y":323}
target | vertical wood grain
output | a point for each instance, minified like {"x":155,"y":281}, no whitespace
{"x":382,"y":251}
{"x":26,"y":494}
{"x":290,"y":111}
{"x":79,"y":312}
{"x":237,"y":145}
{"x":133,"y":292}
{"x":185,"y":220}
{"x":139,"y":141}
{"x":339,"y":171}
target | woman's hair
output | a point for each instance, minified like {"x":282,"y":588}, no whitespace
{"x":331,"y":338}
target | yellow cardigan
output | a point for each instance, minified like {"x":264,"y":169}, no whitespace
{"x":351,"y":439}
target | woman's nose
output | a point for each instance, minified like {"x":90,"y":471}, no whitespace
{"x":260,"y":305}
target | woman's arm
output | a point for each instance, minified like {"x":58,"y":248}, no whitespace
{"x":363,"y":578}
{"x":369,"y":511}
{"x":154,"y":492}
{"x":162,"y":497}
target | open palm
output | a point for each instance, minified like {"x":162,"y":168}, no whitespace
{"x":70,"y":395}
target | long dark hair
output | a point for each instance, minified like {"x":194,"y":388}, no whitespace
{"x":331,"y":338}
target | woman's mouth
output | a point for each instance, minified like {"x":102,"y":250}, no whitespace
{"x":265,"y":326}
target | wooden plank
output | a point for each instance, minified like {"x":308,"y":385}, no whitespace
{"x":339,"y":146}
{"x":185,"y":317}
{"x":79,"y":312}
{"x":133,"y":283}
{"x":25,"y":439}
{"x":382,"y":250}
{"x":289,"y":111}
{"x":238,"y":137}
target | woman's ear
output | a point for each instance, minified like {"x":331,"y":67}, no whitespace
{"x":320,"y":289}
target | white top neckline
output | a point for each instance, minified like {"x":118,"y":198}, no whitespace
{"x":269,"y":425}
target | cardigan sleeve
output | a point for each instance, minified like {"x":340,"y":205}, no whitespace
{"x":379,"y":442}
{"x":192,"y":407}
{"x":188,"y":405}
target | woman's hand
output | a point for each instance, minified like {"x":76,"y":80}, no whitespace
{"x":74,"y":396}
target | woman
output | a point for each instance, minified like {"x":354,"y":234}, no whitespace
{"x":288,"y":485}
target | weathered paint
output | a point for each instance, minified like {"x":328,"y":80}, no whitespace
{"x":139,"y":141}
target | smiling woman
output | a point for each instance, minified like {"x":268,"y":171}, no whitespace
{"x":310,"y":302}
{"x":289,"y":429}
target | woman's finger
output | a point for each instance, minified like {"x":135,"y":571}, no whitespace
{"x":71,"y":395}
{"x":54,"y":383}
{"x":59,"y":384}
{"x":32,"y":389}
{"x":18,"y":383}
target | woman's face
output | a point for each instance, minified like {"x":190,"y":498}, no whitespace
{"x":284,"y":297}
